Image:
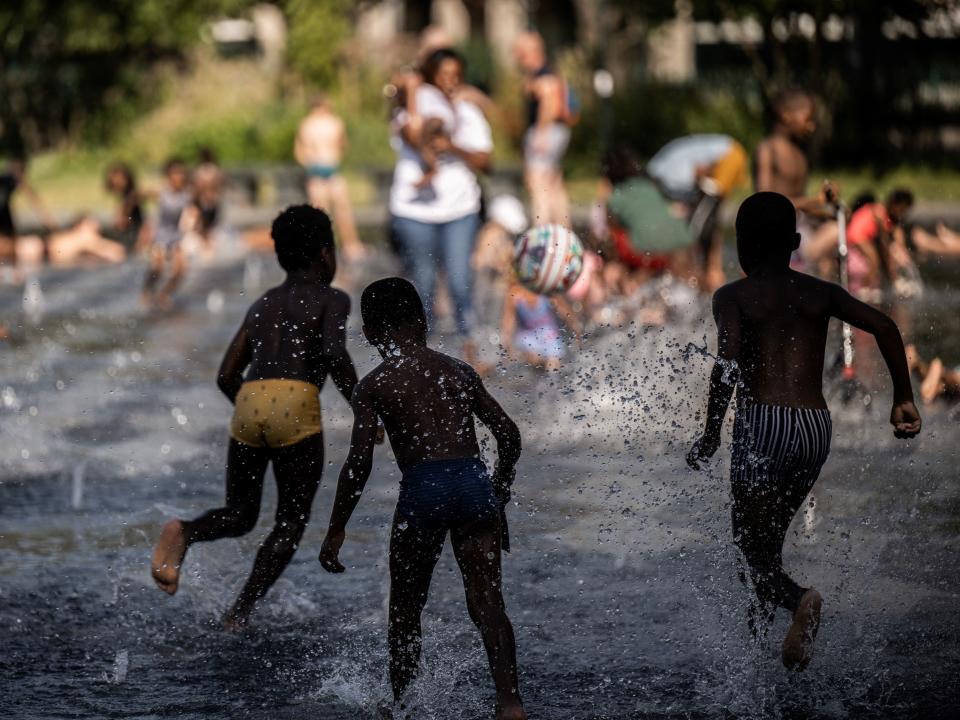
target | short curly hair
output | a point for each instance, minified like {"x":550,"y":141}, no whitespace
{"x":299,"y":233}
{"x":391,"y":303}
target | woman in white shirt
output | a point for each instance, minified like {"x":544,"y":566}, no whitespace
{"x":435,"y":197}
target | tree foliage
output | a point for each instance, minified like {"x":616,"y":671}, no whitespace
{"x":317,"y":31}
{"x":64,"y":64}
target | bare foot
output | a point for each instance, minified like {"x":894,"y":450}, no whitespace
{"x":798,"y":644}
{"x":168,"y":556}
{"x":514,"y":711}
{"x":146,"y":299}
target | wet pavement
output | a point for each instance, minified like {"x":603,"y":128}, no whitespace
{"x":622,"y":585}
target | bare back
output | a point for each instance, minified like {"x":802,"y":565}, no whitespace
{"x":427,"y":401}
{"x":320,"y":139}
{"x":777,"y":329}
{"x":293,"y":331}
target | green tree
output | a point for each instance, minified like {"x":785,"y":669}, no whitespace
{"x":68,"y":68}
{"x":317,"y":30}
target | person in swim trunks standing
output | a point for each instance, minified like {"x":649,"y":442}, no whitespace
{"x":427,"y":402}
{"x":273,"y":370}
{"x":772,"y":333}
{"x":320,"y":144}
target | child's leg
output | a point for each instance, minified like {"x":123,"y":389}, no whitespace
{"x":755,"y":536}
{"x":178,"y":266}
{"x":414,"y":552}
{"x":154,"y":272}
{"x":932,"y":384}
{"x":343,"y":215}
{"x":762,"y":513}
{"x":245,"y":469}
{"x":778,"y":453}
{"x":477,"y":549}
{"x":298,"y":469}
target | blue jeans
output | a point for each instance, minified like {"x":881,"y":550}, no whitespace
{"x":449,"y":245}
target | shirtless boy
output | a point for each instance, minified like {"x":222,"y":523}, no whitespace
{"x":319,"y":148}
{"x":273,"y":370}
{"x":427,"y":402}
{"x":781,"y":166}
{"x":772,"y":332}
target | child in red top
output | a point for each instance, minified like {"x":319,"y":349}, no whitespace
{"x":876,"y":242}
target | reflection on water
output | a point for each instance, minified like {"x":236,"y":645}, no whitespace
{"x":622,"y":585}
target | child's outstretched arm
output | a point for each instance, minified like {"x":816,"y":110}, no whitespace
{"x":338,"y":360}
{"x":904,"y":416}
{"x":235,"y":361}
{"x":505,"y":432}
{"x":353,"y":477}
{"x":723,"y":377}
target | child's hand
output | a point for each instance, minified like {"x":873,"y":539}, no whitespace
{"x":330,"y":551}
{"x":502,"y":482}
{"x":905,"y":419}
{"x":702,"y":450}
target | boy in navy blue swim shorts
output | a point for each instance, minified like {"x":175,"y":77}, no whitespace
{"x":427,"y":402}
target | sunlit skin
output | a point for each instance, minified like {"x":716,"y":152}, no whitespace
{"x":322,"y":140}
{"x":771,"y":342}
{"x":295,"y":331}
{"x":548,"y":194}
{"x":427,"y":402}
{"x":781,"y":163}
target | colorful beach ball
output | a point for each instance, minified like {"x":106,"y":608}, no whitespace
{"x":548,"y":259}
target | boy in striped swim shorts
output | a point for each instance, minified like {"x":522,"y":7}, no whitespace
{"x":427,"y":402}
{"x":771,"y":335}
{"x":273,"y":370}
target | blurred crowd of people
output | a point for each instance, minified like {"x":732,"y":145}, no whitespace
{"x":653,"y":240}
{"x":186,"y":216}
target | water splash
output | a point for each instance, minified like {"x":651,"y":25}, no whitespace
{"x":121,"y":664}
{"x":76,"y":494}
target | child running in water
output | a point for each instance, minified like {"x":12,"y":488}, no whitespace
{"x":167,"y":255}
{"x":427,"y":402}
{"x":273,"y":370}
{"x":772,"y":332}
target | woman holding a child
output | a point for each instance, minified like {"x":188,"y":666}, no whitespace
{"x":442,"y":142}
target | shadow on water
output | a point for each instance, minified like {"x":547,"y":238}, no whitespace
{"x":623,"y":583}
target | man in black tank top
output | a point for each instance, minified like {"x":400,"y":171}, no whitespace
{"x":548,"y":132}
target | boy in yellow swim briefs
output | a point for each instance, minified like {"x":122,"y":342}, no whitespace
{"x":273,"y":370}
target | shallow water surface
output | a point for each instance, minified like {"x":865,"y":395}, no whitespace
{"x":622,"y":585}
